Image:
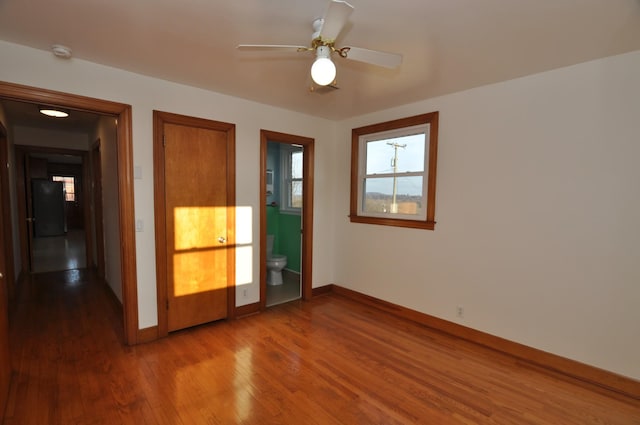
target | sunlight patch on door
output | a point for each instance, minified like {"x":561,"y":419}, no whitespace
{"x":196,"y":272}
{"x":198,"y":227}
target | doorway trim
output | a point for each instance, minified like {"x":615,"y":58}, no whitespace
{"x":307,"y":143}
{"x":125,"y":183}
{"x":159,"y":120}
{"x":5,"y":198}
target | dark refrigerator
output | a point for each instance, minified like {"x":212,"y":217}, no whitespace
{"x":48,"y":208}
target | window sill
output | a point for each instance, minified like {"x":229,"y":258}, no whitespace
{"x":413,"y":224}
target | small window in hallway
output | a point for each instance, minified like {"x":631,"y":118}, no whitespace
{"x":69,"y":187}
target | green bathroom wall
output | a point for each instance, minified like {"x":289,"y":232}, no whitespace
{"x":273,"y":228}
{"x":290,"y":237}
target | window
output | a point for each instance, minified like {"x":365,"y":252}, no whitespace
{"x":69,"y":185}
{"x":291,"y":192}
{"x":393,"y":172}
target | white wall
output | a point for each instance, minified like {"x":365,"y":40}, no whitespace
{"x":106,"y":131}
{"x":37,"y":68}
{"x":538,"y":200}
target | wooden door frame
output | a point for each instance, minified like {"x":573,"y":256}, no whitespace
{"x":5,"y":353}
{"x":96,"y":193}
{"x":125,"y":182}
{"x":159,"y":120}
{"x":307,"y":143}
{"x":5,"y":199}
{"x":6,"y":278}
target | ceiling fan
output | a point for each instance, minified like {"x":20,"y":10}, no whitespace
{"x":325,"y":32}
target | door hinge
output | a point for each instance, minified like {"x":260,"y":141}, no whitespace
{"x":164,"y":140}
{"x":167,"y":304}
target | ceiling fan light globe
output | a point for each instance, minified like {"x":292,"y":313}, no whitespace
{"x":323,"y":71}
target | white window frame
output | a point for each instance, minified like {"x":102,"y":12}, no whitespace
{"x":364,"y":140}
{"x":427,"y":123}
{"x":286,"y":178}
{"x":67,"y":181}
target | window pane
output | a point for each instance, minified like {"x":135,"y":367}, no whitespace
{"x":69,"y":187}
{"x":295,"y":195}
{"x":296,"y":165}
{"x":381,"y":155}
{"x":378,"y":195}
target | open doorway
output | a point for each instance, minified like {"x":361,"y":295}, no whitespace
{"x":284,"y":222}
{"x":286,"y":217}
{"x":121,"y":113}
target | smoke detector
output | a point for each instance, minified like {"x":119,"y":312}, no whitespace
{"x":61,"y":51}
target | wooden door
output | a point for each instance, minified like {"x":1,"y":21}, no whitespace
{"x":197,"y":224}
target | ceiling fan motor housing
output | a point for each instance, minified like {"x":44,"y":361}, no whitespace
{"x":317,"y":26}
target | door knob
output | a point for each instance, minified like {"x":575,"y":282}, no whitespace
{"x":1,"y":275}
{"x":222,"y":239}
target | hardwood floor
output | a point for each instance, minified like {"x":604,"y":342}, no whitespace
{"x":327,"y":361}
{"x":56,"y":253}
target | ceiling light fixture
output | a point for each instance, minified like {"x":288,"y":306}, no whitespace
{"x":323,"y":70}
{"x":53,"y":112}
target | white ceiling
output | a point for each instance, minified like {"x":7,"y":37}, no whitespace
{"x":447,"y":45}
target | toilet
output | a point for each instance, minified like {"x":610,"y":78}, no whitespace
{"x":275,"y":264}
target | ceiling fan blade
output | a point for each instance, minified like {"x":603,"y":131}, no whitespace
{"x":272,"y":47}
{"x":334,"y":19}
{"x":387,"y":60}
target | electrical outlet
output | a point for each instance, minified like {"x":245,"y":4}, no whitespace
{"x":460,"y":311}
{"x":244,"y":293}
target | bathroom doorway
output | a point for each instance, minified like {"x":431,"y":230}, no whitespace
{"x":286,"y":217}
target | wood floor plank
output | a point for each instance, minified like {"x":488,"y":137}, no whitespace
{"x":327,"y":361}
